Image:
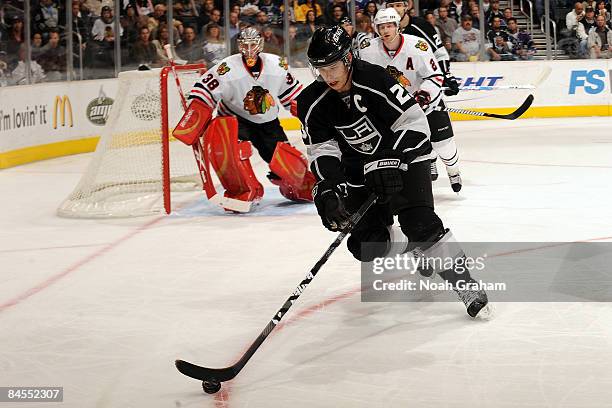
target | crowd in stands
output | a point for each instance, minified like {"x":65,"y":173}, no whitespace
{"x":198,"y":31}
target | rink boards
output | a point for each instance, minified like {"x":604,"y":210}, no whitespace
{"x":42,"y":121}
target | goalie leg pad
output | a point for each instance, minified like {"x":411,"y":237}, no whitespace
{"x":294,"y":180}
{"x":193,"y":123}
{"x":230,"y":160}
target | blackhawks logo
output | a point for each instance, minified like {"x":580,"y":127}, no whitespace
{"x":223,"y":69}
{"x":283,"y":63}
{"x":421,"y":45}
{"x":398,"y":76}
{"x":258,"y":100}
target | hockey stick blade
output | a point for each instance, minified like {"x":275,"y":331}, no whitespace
{"x":219,"y":375}
{"x":510,"y":116}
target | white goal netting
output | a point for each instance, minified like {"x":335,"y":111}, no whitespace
{"x":126,"y":175}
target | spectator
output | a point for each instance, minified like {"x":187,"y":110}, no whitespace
{"x":493,"y":12}
{"x":523,"y":46}
{"x":19,"y":76}
{"x":261,"y":20}
{"x":370,"y":10}
{"x":486,"y":5}
{"x":306,"y":30}
{"x":272,"y":10}
{"x":186,"y":11}
{"x":602,"y":11}
{"x":272,"y":43}
{"x":158,"y":16}
{"x":500,"y":50}
{"x":574,"y":17}
{"x":162,"y":39}
{"x":456,"y":10}
{"x":466,"y":41}
{"x":234,"y":24}
{"x":101,"y":48}
{"x":507,"y":16}
{"x":45,"y":17}
{"x":600,"y":39}
{"x":143,"y":50}
{"x":364,"y":29}
{"x":52,"y":57}
{"x":248,"y":11}
{"x":5,"y":75}
{"x":445,"y":24}
{"x":214,"y":48}
{"x":333,"y":15}
{"x":337,"y":12}
{"x":189,"y":49}
{"x":583,"y":28}
{"x":310,"y":5}
{"x":37,"y":45}
{"x":15,"y":39}
{"x":431,"y":19}
{"x":94,"y":7}
{"x":497,"y":31}
{"x":130,"y":23}
{"x":297,"y":49}
{"x":81,"y":23}
{"x":475,"y":14}
{"x":144,"y":7}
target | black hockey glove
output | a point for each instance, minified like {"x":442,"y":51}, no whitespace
{"x":329,"y":199}
{"x":383,"y":175}
{"x":423,"y":98}
{"x":451,"y":83}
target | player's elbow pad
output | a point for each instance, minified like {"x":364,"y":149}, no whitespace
{"x":193,"y":123}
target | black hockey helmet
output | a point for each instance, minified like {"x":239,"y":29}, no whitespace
{"x":329,"y":45}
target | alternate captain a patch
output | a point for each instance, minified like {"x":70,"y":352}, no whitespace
{"x":223,"y":69}
{"x":421,"y":45}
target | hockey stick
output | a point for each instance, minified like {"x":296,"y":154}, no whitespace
{"x":213,"y":377}
{"x":199,"y":155}
{"x":510,"y":116}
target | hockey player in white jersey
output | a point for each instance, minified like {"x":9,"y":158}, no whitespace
{"x":411,"y":61}
{"x":247,"y":89}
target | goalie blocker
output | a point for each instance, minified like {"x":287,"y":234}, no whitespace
{"x":229,"y":157}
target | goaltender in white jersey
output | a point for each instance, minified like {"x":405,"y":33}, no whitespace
{"x":247,"y":90}
{"x":411,"y":61}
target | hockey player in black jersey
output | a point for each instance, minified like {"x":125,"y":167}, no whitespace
{"x":364,"y":134}
{"x":441,"y":127}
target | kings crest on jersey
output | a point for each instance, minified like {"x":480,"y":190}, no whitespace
{"x":230,"y":87}
{"x":353,"y":127}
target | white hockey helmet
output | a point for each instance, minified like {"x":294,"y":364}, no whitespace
{"x":387,"y":15}
{"x":250,"y":45}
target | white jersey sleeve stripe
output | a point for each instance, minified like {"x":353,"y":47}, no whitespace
{"x":207,"y":98}
{"x":292,"y":96}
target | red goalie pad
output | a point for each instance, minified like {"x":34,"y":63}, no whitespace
{"x":193,"y":123}
{"x":296,"y":181}
{"x":230,"y":160}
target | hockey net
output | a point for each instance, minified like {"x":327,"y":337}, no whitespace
{"x":136,"y":164}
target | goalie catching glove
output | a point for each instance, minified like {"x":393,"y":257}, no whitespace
{"x":329,"y":199}
{"x":383,"y":174}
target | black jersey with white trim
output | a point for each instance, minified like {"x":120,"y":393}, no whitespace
{"x":341,"y":132}
{"x":421,"y":28}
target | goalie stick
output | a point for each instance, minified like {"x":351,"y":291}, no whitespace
{"x":199,"y":155}
{"x":213,"y":377}
{"x":510,"y":116}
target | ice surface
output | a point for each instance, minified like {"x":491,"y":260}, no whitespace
{"x":103,"y":307}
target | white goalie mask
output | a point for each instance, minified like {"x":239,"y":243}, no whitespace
{"x":250,"y":45}
{"x":387,"y":15}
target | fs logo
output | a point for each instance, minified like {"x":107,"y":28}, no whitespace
{"x":592,"y":81}
{"x":60,"y":105}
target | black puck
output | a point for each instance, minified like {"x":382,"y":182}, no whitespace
{"x":211,"y":386}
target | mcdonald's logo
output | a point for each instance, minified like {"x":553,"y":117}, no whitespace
{"x":59,"y":107}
